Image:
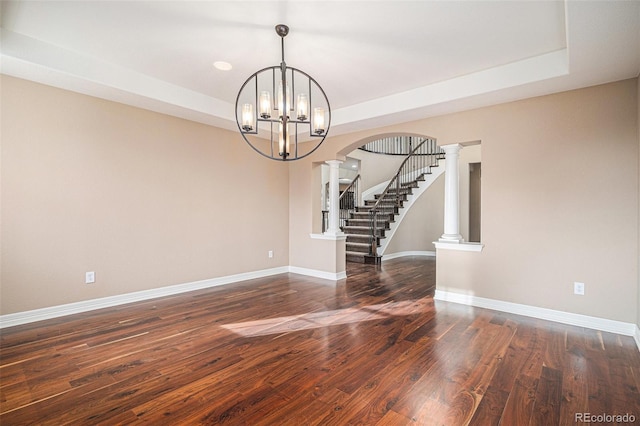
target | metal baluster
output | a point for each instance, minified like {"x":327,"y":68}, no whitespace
{"x":347,"y":202}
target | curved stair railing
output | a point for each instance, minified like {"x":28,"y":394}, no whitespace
{"x":393,"y":145}
{"x":423,"y":156}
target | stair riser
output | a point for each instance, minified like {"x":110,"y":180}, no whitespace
{"x":379,"y":234}
{"x":355,"y":258}
{"x":391,"y":198}
{"x":366,"y":216}
{"x":358,"y":249}
{"x":382,"y":210}
{"x":362,"y":239}
{"x":380,"y":230}
{"x":405,"y":189}
{"x":384,"y":205}
{"x":381,"y":223}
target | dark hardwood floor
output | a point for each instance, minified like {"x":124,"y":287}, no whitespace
{"x":291,"y":350}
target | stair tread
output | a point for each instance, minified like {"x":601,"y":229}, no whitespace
{"x":355,"y":221}
{"x":359,"y":228}
{"x":382,"y":216}
{"x":364,"y":241}
{"x":385,"y":201}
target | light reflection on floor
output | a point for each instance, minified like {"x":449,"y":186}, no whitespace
{"x":320,"y":319}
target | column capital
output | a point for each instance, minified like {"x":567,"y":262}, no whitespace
{"x":334,"y":162}
{"x":452,"y":148}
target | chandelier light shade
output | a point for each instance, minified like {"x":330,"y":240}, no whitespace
{"x":282,"y":112}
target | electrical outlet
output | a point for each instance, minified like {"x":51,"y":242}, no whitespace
{"x":270,"y":254}
{"x":578,"y":288}
{"x":90,"y":278}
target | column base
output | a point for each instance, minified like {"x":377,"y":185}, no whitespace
{"x":447,"y":245}
{"x":451,"y":238}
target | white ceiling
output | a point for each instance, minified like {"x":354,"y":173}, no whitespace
{"x":380,"y":62}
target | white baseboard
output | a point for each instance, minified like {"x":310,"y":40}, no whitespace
{"x":318,"y":274}
{"x":9,"y":320}
{"x":19,"y":318}
{"x":408,"y":253}
{"x":602,"y":324}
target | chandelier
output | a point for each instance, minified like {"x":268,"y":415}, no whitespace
{"x":282,"y":112}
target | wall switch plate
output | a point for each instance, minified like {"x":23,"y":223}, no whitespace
{"x":90,"y":278}
{"x":578,"y":288}
{"x":270,"y":253}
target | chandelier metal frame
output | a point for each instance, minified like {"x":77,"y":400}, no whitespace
{"x":277,"y":122}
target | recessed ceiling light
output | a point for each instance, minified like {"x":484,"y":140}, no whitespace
{"x":222,"y":65}
{"x":355,"y":166}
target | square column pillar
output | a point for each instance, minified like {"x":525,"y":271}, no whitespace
{"x":334,"y":198}
{"x":451,"y":195}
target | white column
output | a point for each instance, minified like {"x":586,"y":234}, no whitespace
{"x":334,"y":198}
{"x":451,"y":195}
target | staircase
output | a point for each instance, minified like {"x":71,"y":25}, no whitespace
{"x":358,"y":226}
{"x":366,"y":225}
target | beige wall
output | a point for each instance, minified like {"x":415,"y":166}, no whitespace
{"x":376,"y":168}
{"x":143,"y":199}
{"x":638,"y":127}
{"x":305,"y":219}
{"x":139,"y":197}
{"x":559,"y":200}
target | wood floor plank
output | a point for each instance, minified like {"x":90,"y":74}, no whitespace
{"x":387,"y":386}
{"x":489,"y":411}
{"x":374,"y":349}
{"x":575,"y":397}
{"x":599,"y":385}
{"x":519,"y":407}
{"x":308,"y":408}
{"x":519,"y":351}
{"x":435,"y":386}
{"x":391,"y":418}
{"x":547,"y":399}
